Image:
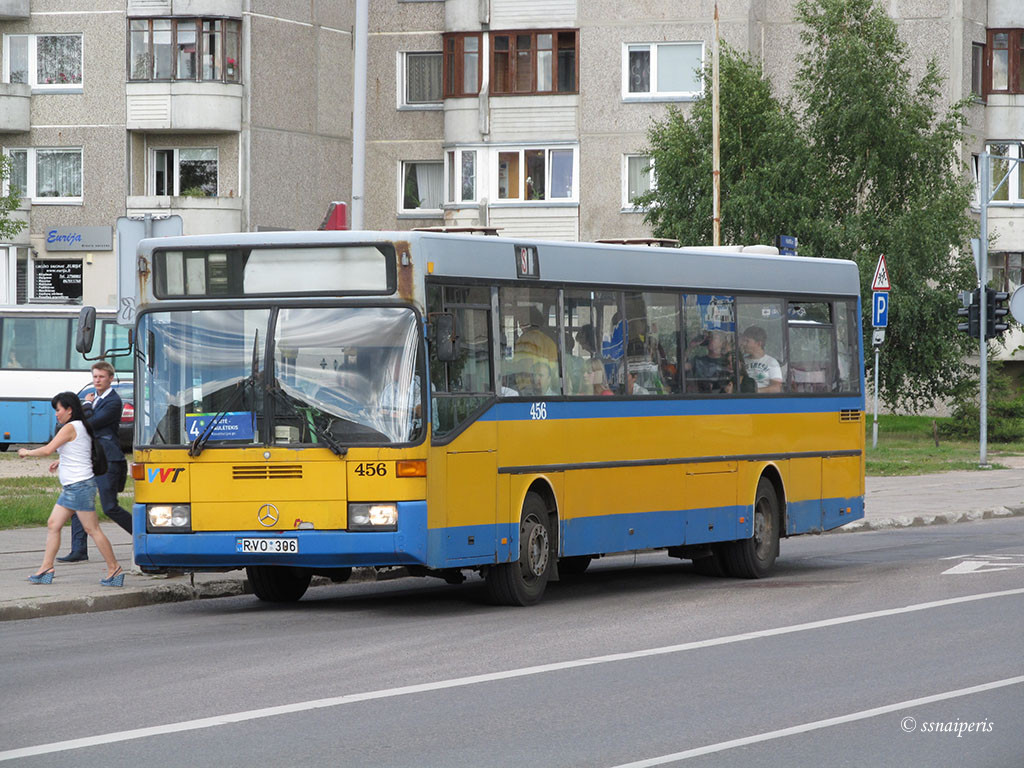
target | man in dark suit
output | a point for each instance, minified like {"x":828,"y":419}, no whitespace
{"x":103,"y":411}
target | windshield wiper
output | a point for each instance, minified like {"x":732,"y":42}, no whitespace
{"x":197,"y":445}
{"x":279,"y":396}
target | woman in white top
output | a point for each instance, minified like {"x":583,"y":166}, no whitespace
{"x":73,"y":444}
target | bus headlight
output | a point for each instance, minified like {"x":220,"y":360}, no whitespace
{"x":373,"y":517}
{"x":168,"y":518}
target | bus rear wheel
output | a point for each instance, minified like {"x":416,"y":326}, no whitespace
{"x":523,"y":582}
{"x":278,"y":583}
{"x":753,"y":558}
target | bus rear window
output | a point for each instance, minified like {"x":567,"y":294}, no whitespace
{"x":337,"y":270}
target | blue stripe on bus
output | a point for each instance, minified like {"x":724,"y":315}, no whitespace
{"x":596,"y":409}
{"x":472,"y":545}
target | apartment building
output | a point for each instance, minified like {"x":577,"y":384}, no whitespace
{"x":226,"y":113}
{"x":526,"y":115}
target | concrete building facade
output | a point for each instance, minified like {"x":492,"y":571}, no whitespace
{"x":526,"y":115}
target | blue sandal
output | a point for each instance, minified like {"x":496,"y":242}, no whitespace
{"x":42,"y":578}
{"x":117,"y":580}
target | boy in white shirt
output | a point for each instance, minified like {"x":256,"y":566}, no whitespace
{"x":762,"y":368}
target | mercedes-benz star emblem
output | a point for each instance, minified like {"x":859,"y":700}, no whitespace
{"x":268,"y":515}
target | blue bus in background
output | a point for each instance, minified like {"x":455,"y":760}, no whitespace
{"x":38,"y":360}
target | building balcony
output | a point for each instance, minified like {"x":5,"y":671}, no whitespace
{"x":182,"y":107}
{"x":11,"y":10}
{"x":199,"y":215}
{"x":230,"y":8}
{"x":15,"y":101}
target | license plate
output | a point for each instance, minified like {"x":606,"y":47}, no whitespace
{"x":271,"y":546}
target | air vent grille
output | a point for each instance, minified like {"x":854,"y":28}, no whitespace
{"x":849,"y":415}
{"x":267,"y":472}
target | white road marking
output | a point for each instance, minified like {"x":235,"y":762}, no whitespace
{"x":980,"y":566}
{"x":818,"y":724}
{"x":458,"y":682}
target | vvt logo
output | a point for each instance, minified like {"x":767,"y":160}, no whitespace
{"x":165,"y":472}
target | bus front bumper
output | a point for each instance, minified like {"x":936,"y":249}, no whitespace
{"x":218,"y":550}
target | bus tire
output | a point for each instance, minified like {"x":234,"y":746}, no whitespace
{"x":574,"y":566}
{"x":523,"y":582}
{"x":278,"y":583}
{"x":753,"y":558}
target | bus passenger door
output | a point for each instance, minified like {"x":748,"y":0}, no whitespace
{"x":461,"y":392}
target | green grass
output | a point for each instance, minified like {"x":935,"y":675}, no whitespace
{"x":906,"y":446}
{"x":28,"y":501}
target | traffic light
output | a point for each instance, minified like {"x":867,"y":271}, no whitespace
{"x":971,"y":325}
{"x":995,"y":311}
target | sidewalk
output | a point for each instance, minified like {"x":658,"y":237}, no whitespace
{"x":891,"y":502}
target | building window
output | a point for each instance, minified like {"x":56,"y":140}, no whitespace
{"x":534,"y":62}
{"x":422,"y":187}
{"x":1004,"y":271}
{"x":536,"y":174}
{"x":1006,"y":61}
{"x":638,"y":179}
{"x":461,"y":174}
{"x":47,"y":175}
{"x":1006,"y":182}
{"x":46,"y":62}
{"x":461,"y":65}
{"x":421,"y":76}
{"x":662,"y":70}
{"x":185,"y":49}
{"x":184,"y":172}
{"x":977,"y":69}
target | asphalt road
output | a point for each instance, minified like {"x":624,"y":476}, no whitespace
{"x":863,"y":649}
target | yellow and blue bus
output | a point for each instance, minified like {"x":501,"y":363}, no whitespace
{"x":307,"y":402}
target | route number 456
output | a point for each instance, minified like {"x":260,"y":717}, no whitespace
{"x":538,"y":411}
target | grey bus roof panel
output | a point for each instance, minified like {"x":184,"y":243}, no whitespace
{"x":493,"y":258}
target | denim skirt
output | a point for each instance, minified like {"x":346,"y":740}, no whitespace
{"x":80,"y":496}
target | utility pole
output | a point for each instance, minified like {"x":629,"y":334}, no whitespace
{"x":716,"y":165}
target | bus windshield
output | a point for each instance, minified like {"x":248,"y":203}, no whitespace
{"x":337,"y":376}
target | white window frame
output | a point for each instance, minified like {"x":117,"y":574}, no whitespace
{"x":30,"y":191}
{"x":653,"y":94}
{"x":628,"y":206}
{"x":1014,"y":196}
{"x":151,"y":181}
{"x":453,"y":174}
{"x":418,"y":213}
{"x":401,"y":68}
{"x":33,"y":63}
{"x":492,"y":164}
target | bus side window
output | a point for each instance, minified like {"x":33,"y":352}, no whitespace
{"x":529,"y":328}
{"x":460,"y":387}
{"x":763,"y":361}
{"x":652,"y":332}
{"x":711,"y":366}
{"x":811,"y":347}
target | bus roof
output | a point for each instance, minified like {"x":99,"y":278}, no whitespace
{"x":494,"y":258}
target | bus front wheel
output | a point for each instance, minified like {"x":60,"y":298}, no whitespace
{"x":523,"y":582}
{"x":753,"y":558}
{"x":278,"y":583}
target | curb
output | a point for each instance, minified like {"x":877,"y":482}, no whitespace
{"x":39,"y":608}
{"x":914,"y":521}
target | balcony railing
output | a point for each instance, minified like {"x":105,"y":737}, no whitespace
{"x":184,"y":107}
{"x":199,"y":215}
{"x":15,"y":100}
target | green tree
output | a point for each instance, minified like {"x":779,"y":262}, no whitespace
{"x":764,"y":158}
{"x":871,"y":165}
{"x":9,"y":202}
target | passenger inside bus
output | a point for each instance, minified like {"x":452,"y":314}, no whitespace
{"x":710,"y":366}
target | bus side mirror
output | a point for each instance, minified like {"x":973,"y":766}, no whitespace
{"x":86,"y":330}
{"x":445,"y":347}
